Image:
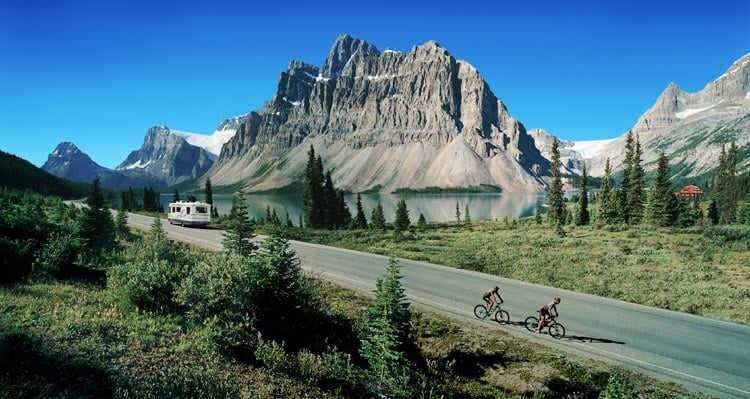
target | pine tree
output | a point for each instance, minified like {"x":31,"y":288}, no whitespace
{"x":208,"y":193}
{"x":313,"y":196}
{"x":421,"y":222}
{"x":361,"y":219}
{"x":388,"y":342}
{"x":240,"y":230}
{"x":458,"y":214}
{"x":583,"y":199}
{"x":725,"y":191}
{"x":662,"y":206}
{"x":467,"y":217}
{"x":289,"y":221}
{"x":713,"y":212}
{"x":176,"y":196}
{"x":537,"y":215}
{"x":378,"y":218}
{"x":402,"y":221}
{"x":343,"y":214}
{"x":606,"y":211}
{"x":556,"y":210}
{"x":97,"y":226}
{"x":330,"y":214}
{"x":637,"y":193}
{"x":121,"y":225}
{"x":623,"y":207}
{"x":147,"y":201}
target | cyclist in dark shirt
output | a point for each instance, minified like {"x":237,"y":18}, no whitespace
{"x":546,"y":312}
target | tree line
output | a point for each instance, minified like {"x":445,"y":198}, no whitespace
{"x":631,"y":203}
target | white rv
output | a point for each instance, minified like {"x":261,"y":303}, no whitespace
{"x":189,"y":213}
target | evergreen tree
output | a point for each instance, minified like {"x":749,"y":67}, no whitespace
{"x":132,"y":203}
{"x":402,"y":221}
{"x":713,"y":212}
{"x":343,"y":214}
{"x":421,"y":223}
{"x":147,"y":200}
{"x":458,"y":214}
{"x":467,"y":217}
{"x":208,"y":193}
{"x":537,"y":215}
{"x":176,"y":196}
{"x":388,"y":341}
{"x":330,"y":214}
{"x":289,"y":221}
{"x":97,"y":226}
{"x":378,"y":218}
{"x":583,"y":199}
{"x":623,"y":202}
{"x":637,"y":193}
{"x":556,"y":210}
{"x":121,"y":225}
{"x":240,"y":230}
{"x":606,"y":211}
{"x":725,"y":191}
{"x":361,"y":219}
{"x":313,"y":196}
{"x":662,"y":206}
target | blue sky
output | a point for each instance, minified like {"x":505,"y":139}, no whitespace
{"x":100,"y":73}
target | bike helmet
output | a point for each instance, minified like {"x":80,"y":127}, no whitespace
{"x":497,"y":288}
{"x":557,"y":299}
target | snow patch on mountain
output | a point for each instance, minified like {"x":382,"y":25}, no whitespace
{"x":589,"y":148}
{"x":690,"y":111}
{"x":138,"y":165}
{"x":211,"y":143}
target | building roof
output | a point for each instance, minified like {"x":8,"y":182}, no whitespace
{"x":690,"y":190}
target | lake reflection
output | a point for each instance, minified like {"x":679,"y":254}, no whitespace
{"x":434,"y":207}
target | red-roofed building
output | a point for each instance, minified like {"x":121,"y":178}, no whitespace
{"x":690,"y":192}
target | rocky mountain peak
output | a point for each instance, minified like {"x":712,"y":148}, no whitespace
{"x":691,"y":127}
{"x":168,"y":157}
{"x":70,"y":162}
{"x":341,"y":52}
{"x":420,"y":119}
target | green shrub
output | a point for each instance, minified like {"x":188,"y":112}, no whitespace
{"x":60,"y":250}
{"x":147,"y":284}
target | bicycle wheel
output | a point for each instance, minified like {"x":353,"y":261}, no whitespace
{"x":557,"y":331}
{"x":480,"y":311}
{"x":502,"y":317}
{"x":531,"y":323}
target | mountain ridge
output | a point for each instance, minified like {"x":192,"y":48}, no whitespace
{"x":376,"y":111}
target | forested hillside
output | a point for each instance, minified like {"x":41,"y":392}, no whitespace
{"x":21,"y":174}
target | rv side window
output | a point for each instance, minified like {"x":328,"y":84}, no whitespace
{"x":200,"y":209}
{"x":187,"y":210}
{"x":177,"y":209}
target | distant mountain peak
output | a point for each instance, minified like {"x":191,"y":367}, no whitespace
{"x":69,"y":162}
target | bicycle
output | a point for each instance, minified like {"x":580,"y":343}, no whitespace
{"x":501,"y":316}
{"x":556,"y":330}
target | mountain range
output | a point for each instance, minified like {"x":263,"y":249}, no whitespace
{"x":384,"y":121}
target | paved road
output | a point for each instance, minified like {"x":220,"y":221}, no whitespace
{"x":701,"y":354}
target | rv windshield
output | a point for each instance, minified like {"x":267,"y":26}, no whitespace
{"x":200,"y":209}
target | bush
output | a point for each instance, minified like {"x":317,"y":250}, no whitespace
{"x":61,"y":250}
{"x":148,"y":284}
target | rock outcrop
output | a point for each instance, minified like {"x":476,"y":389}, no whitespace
{"x":384,"y":121}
